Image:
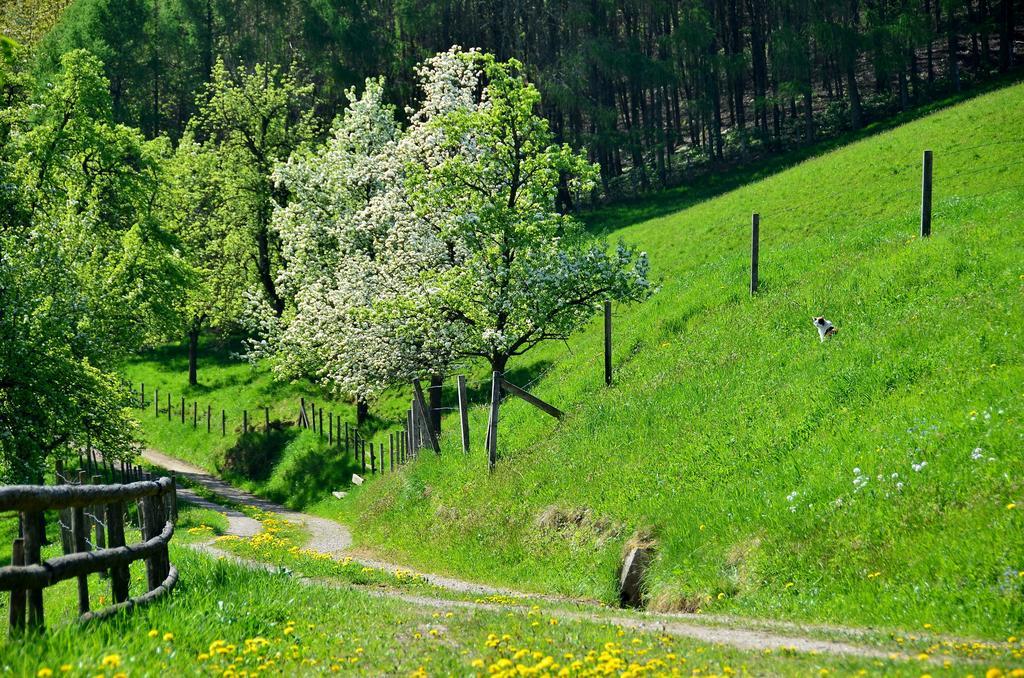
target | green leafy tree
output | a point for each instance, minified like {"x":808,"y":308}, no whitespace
{"x":251,"y":121}
{"x":410,"y":250}
{"x":86,"y":273}
{"x":213,"y":241}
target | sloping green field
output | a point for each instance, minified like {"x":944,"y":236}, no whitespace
{"x":877,"y":478}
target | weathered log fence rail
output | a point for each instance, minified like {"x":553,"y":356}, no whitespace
{"x":28,"y":575}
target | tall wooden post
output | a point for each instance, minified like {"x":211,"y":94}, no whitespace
{"x":223,"y":423}
{"x":208,"y":412}
{"x":245,"y":422}
{"x":330,"y":428}
{"x":492,"y":428}
{"x":33,"y":536}
{"x":195,"y":413}
{"x":17,"y":616}
{"x":755,"y":243}
{"x":115,"y":531}
{"x":463,"y":412}
{"x":142,"y":394}
{"x":156,"y":403}
{"x":80,"y":528}
{"x":168,"y":407}
{"x":926,"y":195}
{"x":391,"y":449}
{"x":182,"y":409}
{"x":266,"y":419}
{"x":608,"y":343}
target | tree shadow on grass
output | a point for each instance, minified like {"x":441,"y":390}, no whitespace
{"x":255,"y":454}
{"x":309,"y":476}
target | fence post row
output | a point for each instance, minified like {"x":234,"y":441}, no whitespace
{"x":88,"y":505}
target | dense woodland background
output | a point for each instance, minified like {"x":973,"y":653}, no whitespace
{"x":652,"y":88}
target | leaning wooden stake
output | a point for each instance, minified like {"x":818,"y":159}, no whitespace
{"x":532,"y":399}
{"x":423,"y":413}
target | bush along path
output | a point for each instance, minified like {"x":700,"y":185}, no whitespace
{"x":331,"y":542}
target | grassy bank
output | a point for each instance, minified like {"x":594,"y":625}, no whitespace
{"x":873,"y":479}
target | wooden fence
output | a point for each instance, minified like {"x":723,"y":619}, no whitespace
{"x":100,"y":512}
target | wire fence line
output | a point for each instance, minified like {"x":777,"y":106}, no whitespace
{"x":379,"y":451}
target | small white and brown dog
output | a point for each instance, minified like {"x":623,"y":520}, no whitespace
{"x":825,"y":328}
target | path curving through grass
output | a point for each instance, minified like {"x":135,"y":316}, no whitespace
{"x":332,"y":538}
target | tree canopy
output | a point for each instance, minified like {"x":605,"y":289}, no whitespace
{"x":408,"y":250}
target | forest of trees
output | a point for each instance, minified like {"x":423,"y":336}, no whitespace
{"x":650,"y":87}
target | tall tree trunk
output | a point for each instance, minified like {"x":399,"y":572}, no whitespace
{"x":808,"y":117}
{"x":1006,"y":35}
{"x":193,"y":354}
{"x":263,"y":267}
{"x":856,"y":116}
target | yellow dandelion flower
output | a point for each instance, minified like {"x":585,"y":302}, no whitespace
{"x":44,"y":672}
{"x":994,"y":672}
{"x":65,"y":668}
{"x":153,"y":633}
{"x":111,"y":661}
{"x":168,"y":637}
{"x":1011,"y":506}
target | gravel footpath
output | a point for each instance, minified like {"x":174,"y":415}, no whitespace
{"x":328,"y":536}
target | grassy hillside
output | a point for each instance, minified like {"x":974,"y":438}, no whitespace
{"x":873,"y":479}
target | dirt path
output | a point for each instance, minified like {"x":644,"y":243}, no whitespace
{"x":325,"y":536}
{"x":328,"y":536}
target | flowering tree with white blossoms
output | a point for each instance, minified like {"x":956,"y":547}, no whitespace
{"x":410,"y":250}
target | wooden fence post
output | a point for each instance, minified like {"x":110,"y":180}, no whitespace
{"x":33,"y":535}
{"x":312,"y":411}
{"x":142,"y":394}
{"x":80,"y":528}
{"x":926,"y":195}
{"x":492,"y":440}
{"x":168,"y":407}
{"x":424,"y":414}
{"x":245,"y":422}
{"x":208,"y":413}
{"x":755,"y":243}
{"x":156,"y":403}
{"x":115,"y":531}
{"x":97,"y":520}
{"x":391,"y":449}
{"x":266,"y":419}
{"x":321,"y":423}
{"x":373,"y":467}
{"x":195,"y":413}
{"x":182,"y":409}
{"x":463,"y":412}
{"x":330,"y":428}
{"x":608,"y":343}
{"x":17,"y":617}
{"x":150,"y":530}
